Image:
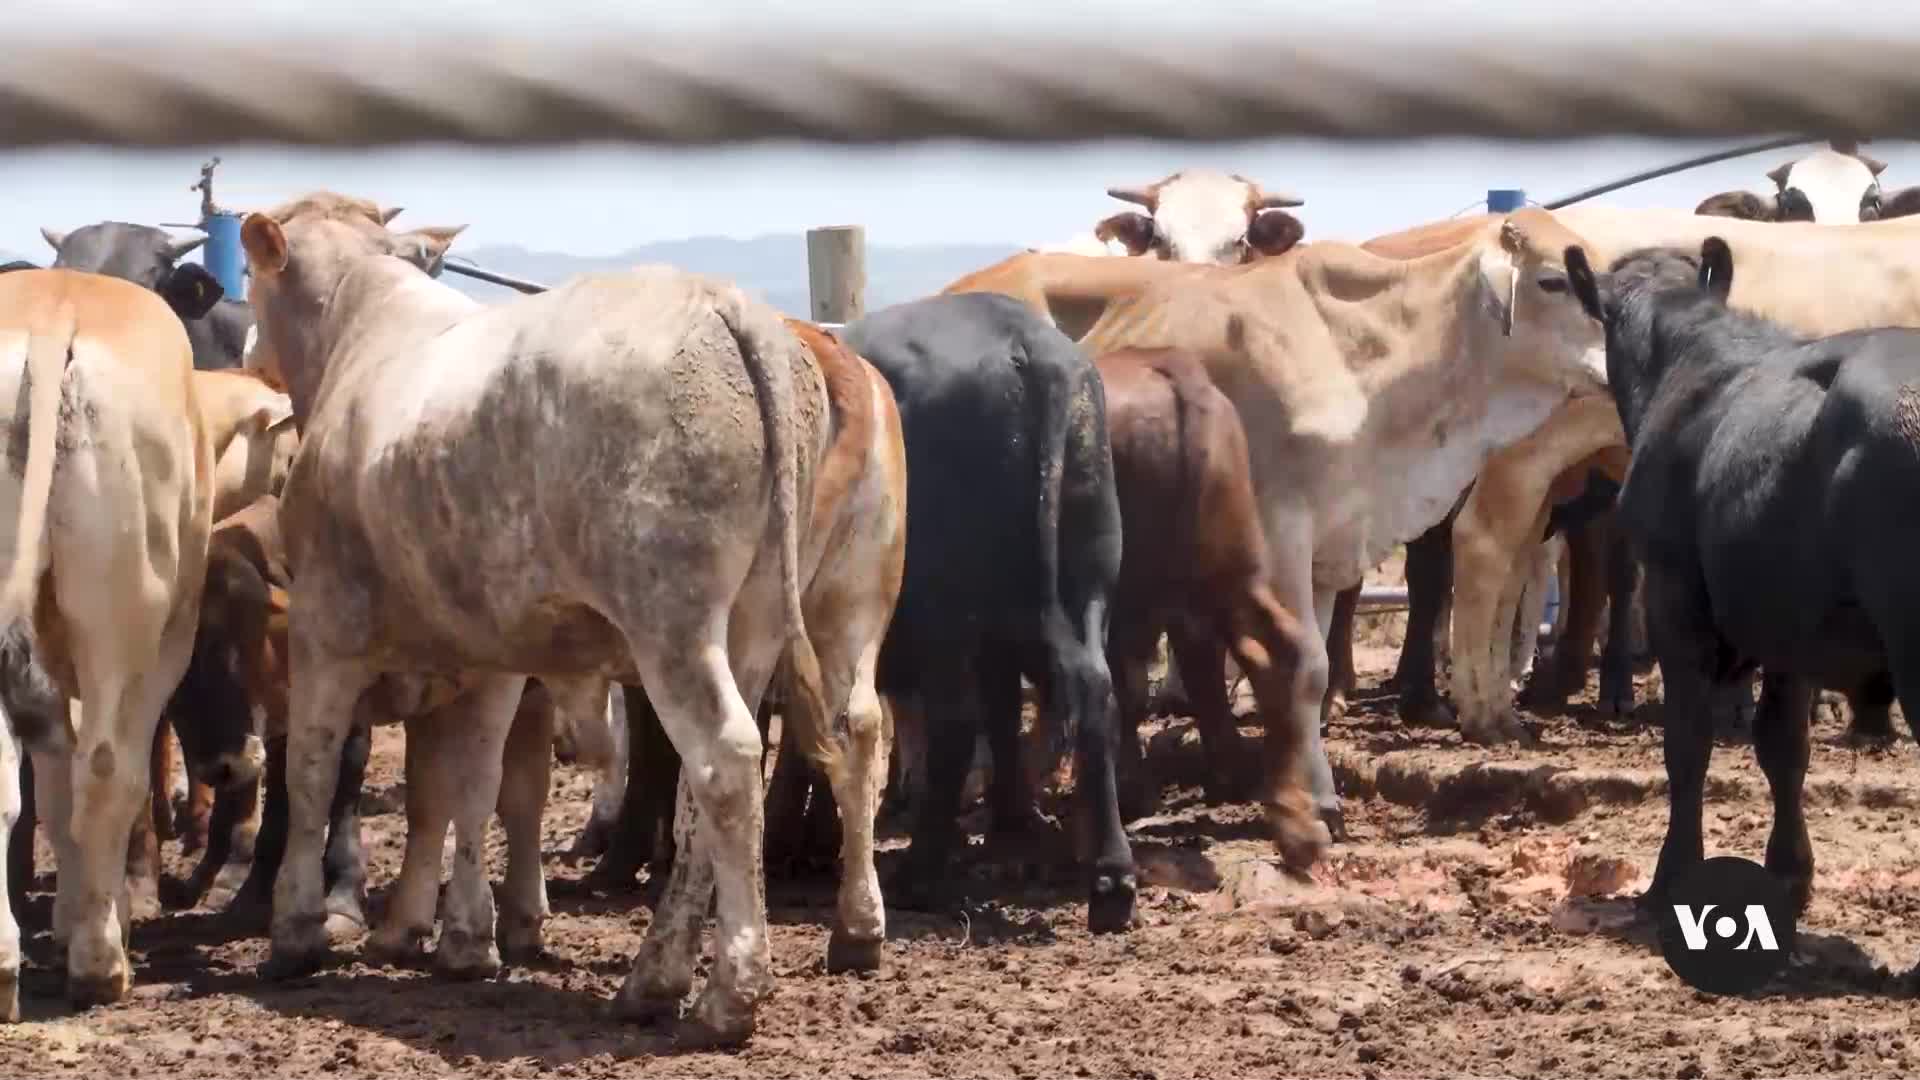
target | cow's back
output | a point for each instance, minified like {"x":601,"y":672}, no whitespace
{"x":1180,"y":473}
{"x":976,"y":376}
{"x":605,"y":427}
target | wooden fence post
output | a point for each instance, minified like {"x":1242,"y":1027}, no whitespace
{"x":837,"y":272}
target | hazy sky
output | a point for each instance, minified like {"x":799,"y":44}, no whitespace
{"x":604,"y":199}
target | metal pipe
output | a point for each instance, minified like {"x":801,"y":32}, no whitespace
{"x":1678,"y":166}
{"x":468,"y":269}
{"x":1032,"y":79}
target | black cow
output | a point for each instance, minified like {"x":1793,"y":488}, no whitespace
{"x":1013,"y":553}
{"x":36,"y":713}
{"x":216,"y":326}
{"x":1758,"y":503}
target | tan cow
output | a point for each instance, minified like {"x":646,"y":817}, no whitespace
{"x":113,"y":603}
{"x":1366,"y":415}
{"x":1818,"y":279}
{"x":605,"y":480}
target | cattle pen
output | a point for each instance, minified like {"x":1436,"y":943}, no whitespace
{"x":1485,"y":907}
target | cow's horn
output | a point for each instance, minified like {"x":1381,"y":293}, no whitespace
{"x":1142,"y":196}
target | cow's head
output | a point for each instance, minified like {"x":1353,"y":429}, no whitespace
{"x":1625,"y":299}
{"x":141,"y":254}
{"x":213,"y":706}
{"x":1204,"y":217}
{"x":1832,"y":185}
{"x":298,"y":253}
{"x":1528,"y":281}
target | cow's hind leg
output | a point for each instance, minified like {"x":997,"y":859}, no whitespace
{"x":345,"y":865}
{"x":1342,"y":680}
{"x":1616,"y":658}
{"x":321,"y":695}
{"x":701,"y":708}
{"x":1781,"y":742}
{"x":20,"y":840}
{"x":9,"y":927}
{"x":1013,"y":792}
{"x":467,"y":944}
{"x":1685,"y":642}
{"x":849,"y":657}
{"x":1870,"y":706}
{"x":1268,"y":643}
{"x":109,"y":784}
{"x":1229,"y":773}
{"x":434,"y":777}
{"x":1130,"y":645}
{"x":950,"y":712}
{"x":1429,"y":586}
{"x":527,"y":769}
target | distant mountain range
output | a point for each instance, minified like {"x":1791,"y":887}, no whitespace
{"x":772,"y":267}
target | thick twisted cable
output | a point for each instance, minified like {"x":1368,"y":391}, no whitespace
{"x":846,"y":86}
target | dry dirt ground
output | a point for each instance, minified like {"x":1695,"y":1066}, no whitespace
{"x":1480,"y":923}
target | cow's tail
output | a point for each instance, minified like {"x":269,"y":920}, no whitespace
{"x":1049,"y":390}
{"x":47,"y":353}
{"x":767,"y":347}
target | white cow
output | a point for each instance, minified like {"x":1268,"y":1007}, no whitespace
{"x":600,"y":481}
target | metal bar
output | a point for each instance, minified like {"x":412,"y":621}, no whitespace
{"x":470,"y":270}
{"x":1678,"y":166}
{"x":1374,"y":595}
{"x":1035,"y":78}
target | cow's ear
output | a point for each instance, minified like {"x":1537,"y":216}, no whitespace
{"x":1585,"y":286}
{"x":1744,"y":205}
{"x":1134,"y":230}
{"x":1274,"y":232}
{"x":1716,"y":267}
{"x":1900,"y":204}
{"x":265,"y":243}
{"x":190,"y":290}
{"x":426,"y":247}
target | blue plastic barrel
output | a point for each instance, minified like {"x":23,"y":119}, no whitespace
{"x":222,"y":254}
{"x":1505,"y":200}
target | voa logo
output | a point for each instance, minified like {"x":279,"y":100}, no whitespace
{"x":1727,"y":926}
{"x":1693,"y":927}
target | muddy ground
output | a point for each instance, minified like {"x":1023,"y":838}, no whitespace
{"x":1479,"y":923}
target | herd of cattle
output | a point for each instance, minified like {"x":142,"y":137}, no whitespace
{"x":360,"y":498}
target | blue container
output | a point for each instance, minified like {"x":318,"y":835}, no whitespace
{"x":1505,"y":200}
{"x":222,"y":254}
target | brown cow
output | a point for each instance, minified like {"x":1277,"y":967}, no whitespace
{"x":1194,"y":564}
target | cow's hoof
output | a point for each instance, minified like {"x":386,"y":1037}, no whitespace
{"x":178,"y":895}
{"x":466,"y":957}
{"x":522,"y":943}
{"x":848,"y":953}
{"x":250,"y":914}
{"x":10,"y":996}
{"x":715,"y":1023}
{"x":286,"y":962}
{"x":397,"y":947}
{"x":1110,"y":905}
{"x":345,"y":927}
{"x":1335,"y":820}
{"x":1300,"y":837}
{"x":1138,"y":799}
{"x":143,"y":899}
{"x":87,"y":991}
{"x":636,"y":1005}
{"x":1427,"y":713}
{"x":613,"y":879}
